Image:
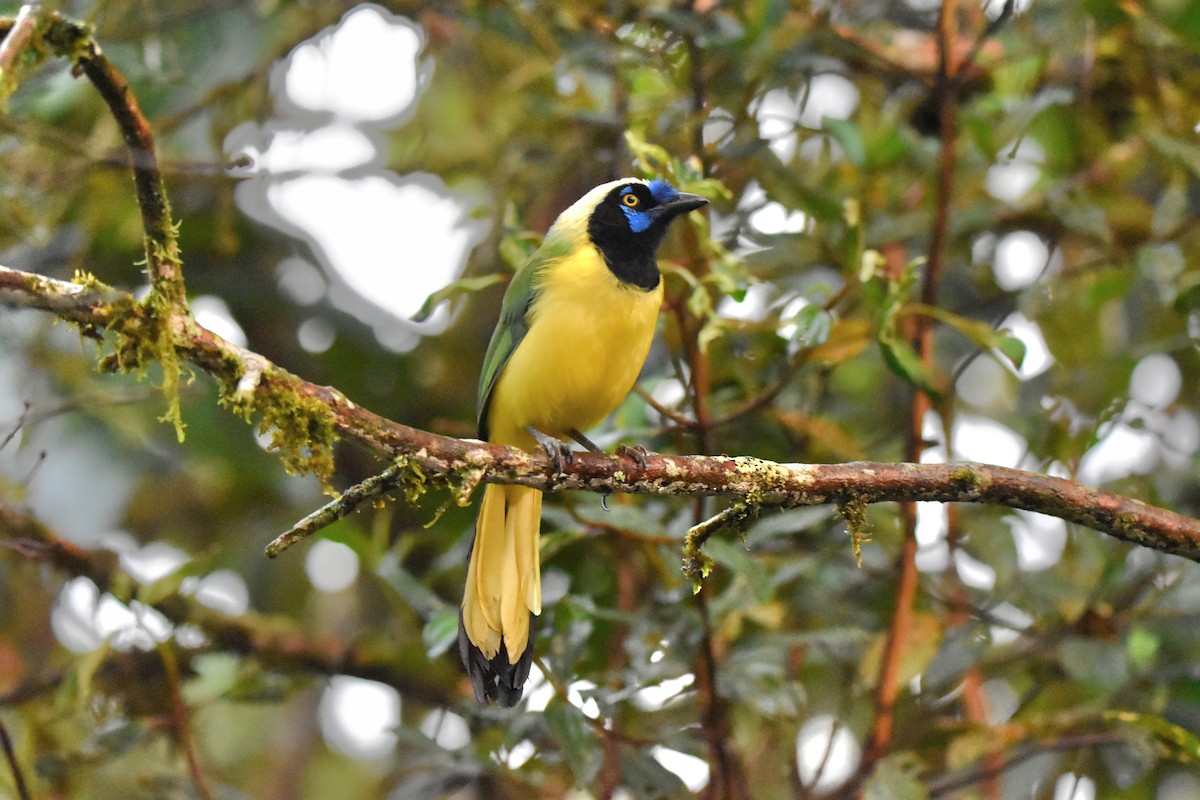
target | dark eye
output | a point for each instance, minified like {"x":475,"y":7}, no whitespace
{"x":631,"y":200}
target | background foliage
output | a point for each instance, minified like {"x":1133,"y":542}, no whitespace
{"x":1087,"y":664}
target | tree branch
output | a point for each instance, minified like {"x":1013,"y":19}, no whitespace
{"x":762,"y":483}
{"x":887,"y":690}
{"x":283,"y":647}
{"x":74,"y":41}
{"x":181,"y":717}
{"x":16,"y":40}
{"x":991,"y":767}
{"x":10,"y":755}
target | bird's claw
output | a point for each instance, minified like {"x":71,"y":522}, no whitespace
{"x":560,"y":452}
{"x":634,"y":452}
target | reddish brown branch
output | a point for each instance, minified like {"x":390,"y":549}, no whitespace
{"x":181,"y":721}
{"x":768,"y":483}
{"x":727,"y":779}
{"x":888,"y":688}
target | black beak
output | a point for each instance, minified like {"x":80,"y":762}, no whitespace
{"x":679,"y":204}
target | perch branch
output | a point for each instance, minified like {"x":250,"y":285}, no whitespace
{"x":767,"y":484}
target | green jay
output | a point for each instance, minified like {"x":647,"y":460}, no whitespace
{"x":574,"y":330}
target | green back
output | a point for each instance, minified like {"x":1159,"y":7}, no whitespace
{"x":514,"y":321}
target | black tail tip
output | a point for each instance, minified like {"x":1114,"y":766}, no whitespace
{"x":495,"y":679}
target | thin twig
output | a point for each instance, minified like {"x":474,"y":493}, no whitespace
{"x":992,"y":28}
{"x":18,"y":36}
{"x":10,"y":754}
{"x":180,"y":721}
{"x":727,"y":781}
{"x":695,"y":565}
{"x":20,"y":423}
{"x":331,"y":512}
{"x":680,"y":420}
{"x":162,"y":250}
{"x":29,"y":538}
{"x":887,"y":689}
{"x":31,"y":688}
{"x":989,"y":768}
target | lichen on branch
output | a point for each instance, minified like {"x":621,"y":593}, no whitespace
{"x":305,"y":420}
{"x":323,"y":414}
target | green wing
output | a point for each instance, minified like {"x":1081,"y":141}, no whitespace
{"x":513,"y":323}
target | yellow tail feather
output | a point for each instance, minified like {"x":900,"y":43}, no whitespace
{"x":504,"y":581}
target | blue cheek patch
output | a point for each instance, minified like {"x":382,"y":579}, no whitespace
{"x":638,"y":220}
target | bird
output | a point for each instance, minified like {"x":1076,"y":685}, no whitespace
{"x":575,"y":327}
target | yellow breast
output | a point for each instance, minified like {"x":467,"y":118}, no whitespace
{"x":587,"y":340}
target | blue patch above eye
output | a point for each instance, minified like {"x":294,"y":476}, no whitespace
{"x":663,"y":192}
{"x":638,"y":220}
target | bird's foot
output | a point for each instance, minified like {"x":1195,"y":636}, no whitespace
{"x":559,"y":452}
{"x":634,"y":452}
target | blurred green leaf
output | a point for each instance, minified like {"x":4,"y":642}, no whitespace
{"x":425,"y":601}
{"x":646,"y":779}
{"x":1184,"y":152}
{"x":885,"y":148}
{"x":849,"y":137}
{"x":896,"y":777}
{"x":456,"y":290}
{"x":441,"y":632}
{"x":216,"y":673}
{"x":1183,"y":745}
{"x":258,"y":686}
{"x":1103,"y":665}
{"x":1171,"y":208}
{"x":571,"y":730}
{"x":1012,"y":348}
{"x":924,"y":639}
{"x":735,"y":557}
{"x":903,"y":360}
{"x":1143,"y":648}
{"x":978,"y":331}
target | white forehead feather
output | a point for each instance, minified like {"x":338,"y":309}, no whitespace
{"x":574,"y":220}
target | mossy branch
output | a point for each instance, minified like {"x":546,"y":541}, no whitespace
{"x":149,"y":328}
{"x":305,"y":419}
{"x":322,"y":414}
